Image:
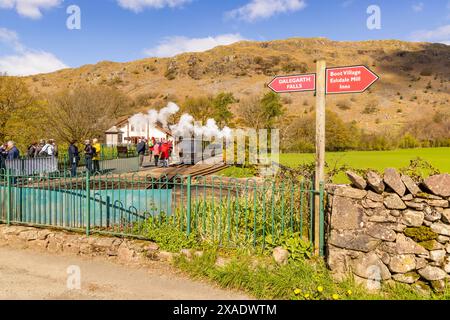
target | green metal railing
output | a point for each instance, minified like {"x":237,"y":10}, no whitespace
{"x":221,"y":211}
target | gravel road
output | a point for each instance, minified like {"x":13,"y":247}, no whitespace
{"x":26,"y":274}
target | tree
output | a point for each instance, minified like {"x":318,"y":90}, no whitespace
{"x":204,"y":108}
{"x":300,"y":135}
{"x":14,"y":99}
{"x":271,"y":107}
{"x":262,"y":112}
{"x":221,"y":103}
{"x":201,"y":108}
{"x":84,"y":112}
{"x":250,"y":113}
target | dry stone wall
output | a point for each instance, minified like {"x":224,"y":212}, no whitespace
{"x":61,"y":242}
{"x":390,"y":228}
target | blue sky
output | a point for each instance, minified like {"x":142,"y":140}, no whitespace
{"x":34,"y":37}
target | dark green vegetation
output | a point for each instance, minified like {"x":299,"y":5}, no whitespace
{"x":300,"y":279}
{"x":430,"y":131}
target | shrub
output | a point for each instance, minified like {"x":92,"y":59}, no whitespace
{"x":343,"y":105}
{"x":408,"y":141}
{"x":258,"y":60}
{"x":294,"y":67}
{"x":286,"y":100}
{"x":371,"y":107}
{"x":426,"y":72}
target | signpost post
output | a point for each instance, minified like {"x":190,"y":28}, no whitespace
{"x":320,"y":147}
{"x":338,"y":80}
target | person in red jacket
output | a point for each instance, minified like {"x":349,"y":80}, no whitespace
{"x":156,"y":152}
{"x":165,"y":153}
{"x":151,"y":147}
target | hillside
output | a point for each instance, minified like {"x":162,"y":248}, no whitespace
{"x":414,"y":77}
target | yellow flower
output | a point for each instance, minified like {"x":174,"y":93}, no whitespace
{"x":320,"y":288}
{"x":335,"y":296}
{"x":297,"y":291}
{"x":349,"y":292}
{"x":306,"y":295}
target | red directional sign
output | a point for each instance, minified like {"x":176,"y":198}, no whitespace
{"x":349,"y":79}
{"x":298,"y":83}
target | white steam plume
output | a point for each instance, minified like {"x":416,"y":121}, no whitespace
{"x":186,"y":127}
{"x":153,"y":117}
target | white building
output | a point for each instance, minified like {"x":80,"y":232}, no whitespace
{"x":125,"y":133}
{"x":187,"y":151}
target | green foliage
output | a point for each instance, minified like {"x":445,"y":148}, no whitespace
{"x":260,"y":276}
{"x":300,"y":134}
{"x":300,"y":279}
{"x":420,"y":234}
{"x":206,"y":107}
{"x":298,"y":248}
{"x":167,"y":235}
{"x":261,"y":113}
{"x":18,"y":111}
{"x":408,"y":141}
{"x":271,"y":107}
{"x":200,"y":107}
{"x":221,"y":103}
{"x":242,"y":217}
{"x":238,"y":172}
{"x":419,"y":168}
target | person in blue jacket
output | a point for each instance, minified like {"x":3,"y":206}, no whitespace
{"x":13,"y":152}
{"x":74,"y":158}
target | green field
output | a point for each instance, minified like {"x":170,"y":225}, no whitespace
{"x":379,"y":160}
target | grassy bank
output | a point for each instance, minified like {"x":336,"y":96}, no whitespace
{"x":302,"y":279}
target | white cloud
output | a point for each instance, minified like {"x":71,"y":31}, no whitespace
{"x":139,"y":5}
{"x":25,"y":61}
{"x":29,"y":8}
{"x":172,"y":46}
{"x":10,"y":38}
{"x":29,"y":63}
{"x":347,"y":3}
{"x":418,"y":7}
{"x":263,"y":9}
{"x":441,"y":34}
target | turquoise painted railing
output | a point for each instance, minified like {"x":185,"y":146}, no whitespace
{"x":222,"y":211}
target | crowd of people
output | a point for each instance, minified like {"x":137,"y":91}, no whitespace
{"x":43,"y":149}
{"x":92,"y":152}
{"x":159,"y":150}
{"x":49,"y":148}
